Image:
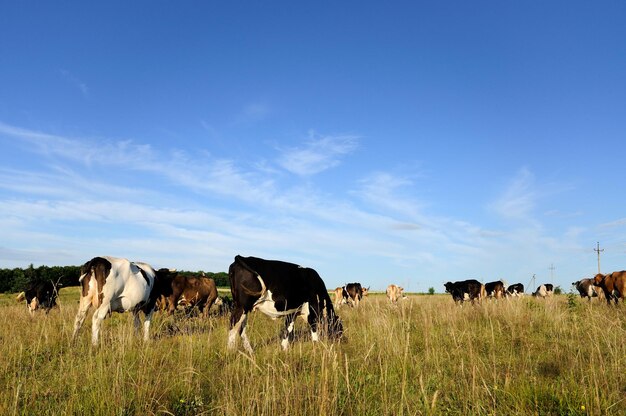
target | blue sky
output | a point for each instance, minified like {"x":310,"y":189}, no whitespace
{"x":410,"y":143}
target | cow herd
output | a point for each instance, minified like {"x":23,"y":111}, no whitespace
{"x":276,"y":288}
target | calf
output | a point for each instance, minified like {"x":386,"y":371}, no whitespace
{"x":113,"y":284}
{"x":394,"y":293}
{"x":188,"y":291}
{"x":471,"y":289}
{"x":39,"y":294}
{"x":516,"y":289}
{"x":279,"y":289}
{"x":613,"y":285}
{"x":495,"y":289}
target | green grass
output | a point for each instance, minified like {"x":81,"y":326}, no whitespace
{"x":426,"y":356}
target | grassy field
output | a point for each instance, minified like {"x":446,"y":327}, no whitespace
{"x":426,"y":356}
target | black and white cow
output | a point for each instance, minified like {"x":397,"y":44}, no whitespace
{"x":39,"y":295}
{"x":465,"y":290}
{"x":544,"y":291}
{"x":279,"y":289}
{"x":113,"y":284}
{"x":516,"y":289}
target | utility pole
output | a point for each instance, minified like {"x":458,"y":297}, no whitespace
{"x":597,"y":250}
{"x":551,"y":268}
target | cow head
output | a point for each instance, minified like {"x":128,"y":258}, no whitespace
{"x":599,"y":279}
{"x":365,"y":291}
{"x":449,"y":286}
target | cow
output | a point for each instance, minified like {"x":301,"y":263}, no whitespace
{"x":587,"y":289}
{"x":471,"y":289}
{"x":39,"y":294}
{"x":394,"y":293}
{"x":340,"y":296}
{"x":279,"y":289}
{"x":495,"y":289}
{"x":544,"y":291}
{"x":189,"y":292}
{"x":613,"y":285}
{"x":114,"y":284}
{"x":353,"y":293}
{"x":516,"y":289}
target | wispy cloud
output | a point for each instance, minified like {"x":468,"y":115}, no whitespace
{"x":519,"y":198}
{"x":68,"y":76}
{"x":319,"y":153}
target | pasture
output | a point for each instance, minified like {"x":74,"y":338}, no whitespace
{"x":425,"y":356}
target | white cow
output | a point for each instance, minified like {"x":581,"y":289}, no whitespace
{"x":113,"y":284}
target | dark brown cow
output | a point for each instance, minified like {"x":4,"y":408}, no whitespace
{"x":613,"y":285}
{"x":495,"y":289}
{"x":190,"y":292}
{"x":354,"y":292}
{"x":587,"y":289}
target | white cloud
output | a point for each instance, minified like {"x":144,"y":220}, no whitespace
{"x":318,"y":154}
{"x":518,"y":200}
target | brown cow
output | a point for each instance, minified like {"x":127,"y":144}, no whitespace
{"x":394,"y":293}
{"x":613,"y":285}
{"x":339,"y":296}
{"x":188,"y":291}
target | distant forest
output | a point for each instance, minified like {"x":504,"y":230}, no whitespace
{"x":18,"y":280}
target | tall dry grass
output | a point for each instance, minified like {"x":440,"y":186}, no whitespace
{"x":425,"y":356}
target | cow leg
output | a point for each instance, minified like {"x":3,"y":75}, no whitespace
{"x":96,"y":321}
{"x":238,"y":320}
{"x":287,"y":335}
{"x":313,"y":319}
{"x":85,"y":304}
{"x":146,"y":326}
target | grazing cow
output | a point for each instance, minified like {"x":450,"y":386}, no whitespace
{"x":470,"y":289}
{"x":353,"y":293}
{"x":516,"y":289}
{"x":40,"y":294}
{"x":544,"y":291}
{"x":394,"y":293}
{"x":587,"y":289}
{"x":340,"y":296}
{"x":495,"y":289}
{"x":113,"y":284}
{"x":278,"y":289}
{"x":613,"y":285}
{"x":189,"y":292}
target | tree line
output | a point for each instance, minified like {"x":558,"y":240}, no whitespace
{"x":19,"y":279}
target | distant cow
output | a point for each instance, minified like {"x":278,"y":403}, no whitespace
{"x":516,"y":289}
{"x":353,"y":293}
{"x":587,"y":289}
{"x":394,"y":293}
{"x":188,"y":291}
{"x":39,"y":295}
{"x":613,"y":285}
{"x":544,"y":291}
{"x":495,"y":289}
{"x":465,"y":290}
{"x":279,"y":289}
{"x":113,"y":284}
